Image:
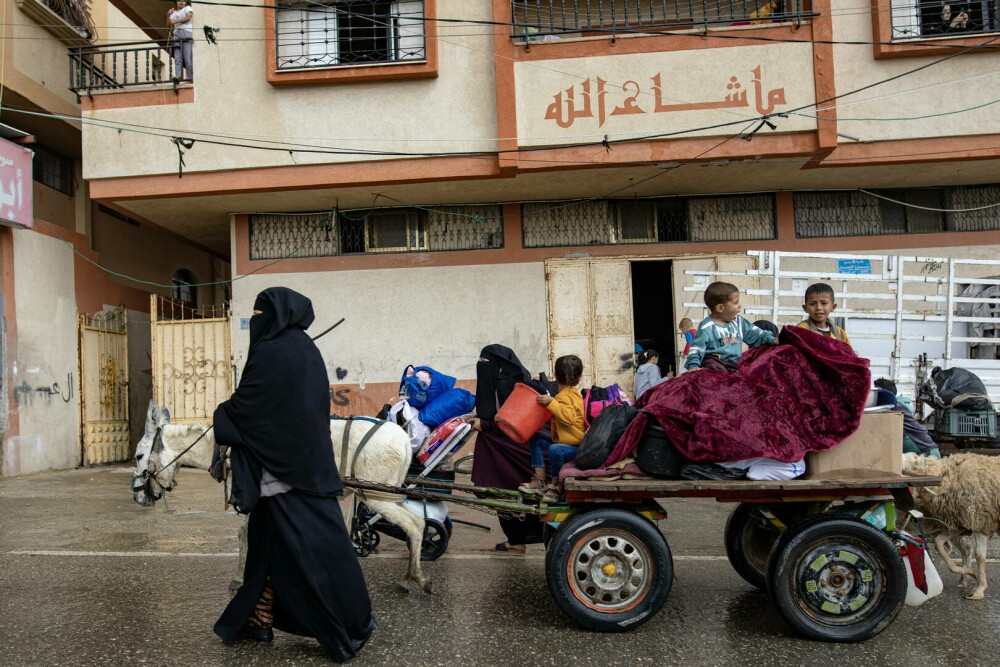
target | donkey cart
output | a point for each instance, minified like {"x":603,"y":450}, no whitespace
{"x":827,"y":551}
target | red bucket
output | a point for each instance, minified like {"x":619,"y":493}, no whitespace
{"x":522,"y":415}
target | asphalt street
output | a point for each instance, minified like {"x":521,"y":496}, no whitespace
{"x":89,"y":578}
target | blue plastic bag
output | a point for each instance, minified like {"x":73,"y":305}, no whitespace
{"x":419,"y":392}
{"x":453,"y":403}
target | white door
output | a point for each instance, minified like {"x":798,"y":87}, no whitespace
{"x":590,"y":315}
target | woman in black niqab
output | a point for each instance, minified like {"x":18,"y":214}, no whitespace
{"x":302,"y":574}
{"x":501,"y":462}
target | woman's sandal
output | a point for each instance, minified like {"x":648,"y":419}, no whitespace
{"x":518,"y":549}
{"x":528,"y":490}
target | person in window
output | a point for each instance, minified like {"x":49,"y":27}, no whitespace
{"x":180,"y":19}
{"x":955,"y":18}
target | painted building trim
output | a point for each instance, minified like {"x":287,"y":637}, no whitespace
{"x":164,"y":96}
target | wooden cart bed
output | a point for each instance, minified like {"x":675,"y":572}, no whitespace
{"x":734,"y":491}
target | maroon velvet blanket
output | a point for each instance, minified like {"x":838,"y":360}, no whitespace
{"x":806,"y":394}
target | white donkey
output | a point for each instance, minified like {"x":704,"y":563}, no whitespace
{"x":384,"y":459}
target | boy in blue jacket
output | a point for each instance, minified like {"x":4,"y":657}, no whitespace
{"x":719,"y":342}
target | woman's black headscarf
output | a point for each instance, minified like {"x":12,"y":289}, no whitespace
{"x":496,"y":377}
{"x":279,"y":416}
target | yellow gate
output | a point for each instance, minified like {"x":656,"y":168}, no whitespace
{"x":104,"y":386}
{"x":192,"y":358}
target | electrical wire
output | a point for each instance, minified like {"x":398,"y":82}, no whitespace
{"x":929,"y":208}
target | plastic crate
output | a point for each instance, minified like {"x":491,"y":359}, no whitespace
{"x":966,"y":423}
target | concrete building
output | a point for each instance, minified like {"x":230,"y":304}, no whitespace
{"x":48,"y":258}
{"x":447,"y":174}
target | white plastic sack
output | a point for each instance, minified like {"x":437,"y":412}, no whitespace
{"x":914,"y":596}
{"x":416,"y":429}
{"x":763,"y":469}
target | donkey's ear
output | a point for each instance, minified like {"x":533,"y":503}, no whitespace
{"x":164,"y":415}
{"x":152,"y":410}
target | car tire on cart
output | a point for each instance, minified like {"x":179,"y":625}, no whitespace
{"x":837,"y":579}
{"x":610,"y":570}
{"x":749,"y":539}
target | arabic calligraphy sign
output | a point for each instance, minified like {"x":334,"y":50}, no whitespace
{"x":663,"y":92}
{"x":15,"y":185}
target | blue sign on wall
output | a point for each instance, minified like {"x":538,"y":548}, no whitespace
{"x":244,"y":323}
{"x":854,"y":266}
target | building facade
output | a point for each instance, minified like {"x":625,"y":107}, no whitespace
{"x":447,"y":174}
{"x":53,"y":370}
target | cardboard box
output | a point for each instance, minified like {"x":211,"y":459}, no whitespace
{"x":874,"y":450}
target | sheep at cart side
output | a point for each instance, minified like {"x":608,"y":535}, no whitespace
{"x":967,"y":501}
{"x":384,"y":459}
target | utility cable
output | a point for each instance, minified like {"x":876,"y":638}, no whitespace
{"x":930,"y":208}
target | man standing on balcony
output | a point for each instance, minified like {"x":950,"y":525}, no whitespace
{"x":180,"y":19}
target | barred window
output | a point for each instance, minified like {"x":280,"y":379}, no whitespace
{"x":912,"y":211}
{"x":53,"y":169}
{"x":473,"y":227}
{"x":535,"y":18}
{"x":311,"y":34}
{"x":662,"y":220}
{"x":938,"y":18}
{"x":974,"y":196}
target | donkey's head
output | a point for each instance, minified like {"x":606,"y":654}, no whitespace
{"x":149,"y":480}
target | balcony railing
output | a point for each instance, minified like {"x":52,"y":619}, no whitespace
{"x":549,"y":19}
{"x":120,"y":66}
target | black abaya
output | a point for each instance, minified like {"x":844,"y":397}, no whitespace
{"x":278,"y":420}
{"x":499,"y":461}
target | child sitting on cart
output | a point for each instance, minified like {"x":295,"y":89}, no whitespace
{"x":567,"y":429}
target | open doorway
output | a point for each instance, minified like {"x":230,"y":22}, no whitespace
{"x":653,"y":311}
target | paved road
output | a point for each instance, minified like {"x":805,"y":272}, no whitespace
{"x":89,"y":578}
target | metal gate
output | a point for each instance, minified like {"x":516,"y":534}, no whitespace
{"x":590,"y":315}
{"x":904,"y":313}
{"x":104,"y":386}
{"x":192,"y":358}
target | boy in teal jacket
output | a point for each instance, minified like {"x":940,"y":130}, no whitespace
{"x":719,"y":341}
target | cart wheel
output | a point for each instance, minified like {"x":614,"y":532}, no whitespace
{"x":463,"y":465}
{"x":436,"y":538}
{"x":609,"y":570}
{"x":837,"y":579}
{"x":749,"y":538}
{"x":365,"y":541}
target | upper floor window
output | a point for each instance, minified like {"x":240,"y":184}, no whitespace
{"x":470,"y":227}
{"x":550,"y":19}
{"x":312,"y":34}
{"x":933,"y":18}
{"x":53,"y":169}
{"x":896,"y":211}
{"x":659,"y":220}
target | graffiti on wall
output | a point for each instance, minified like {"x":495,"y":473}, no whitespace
{"x":26,"y":394}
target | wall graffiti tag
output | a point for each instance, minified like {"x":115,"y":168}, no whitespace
{"x":25,"y":394}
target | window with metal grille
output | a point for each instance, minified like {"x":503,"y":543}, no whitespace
{"x":923,"y":18}
{"x":53,"y":169}
{"x":472,"y":227}
{"x":534,"y":19}
{"x":312,"y":34}
{"x":982,"y":197}
{"x":661,"y":220}
{"x":819,"y":214}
